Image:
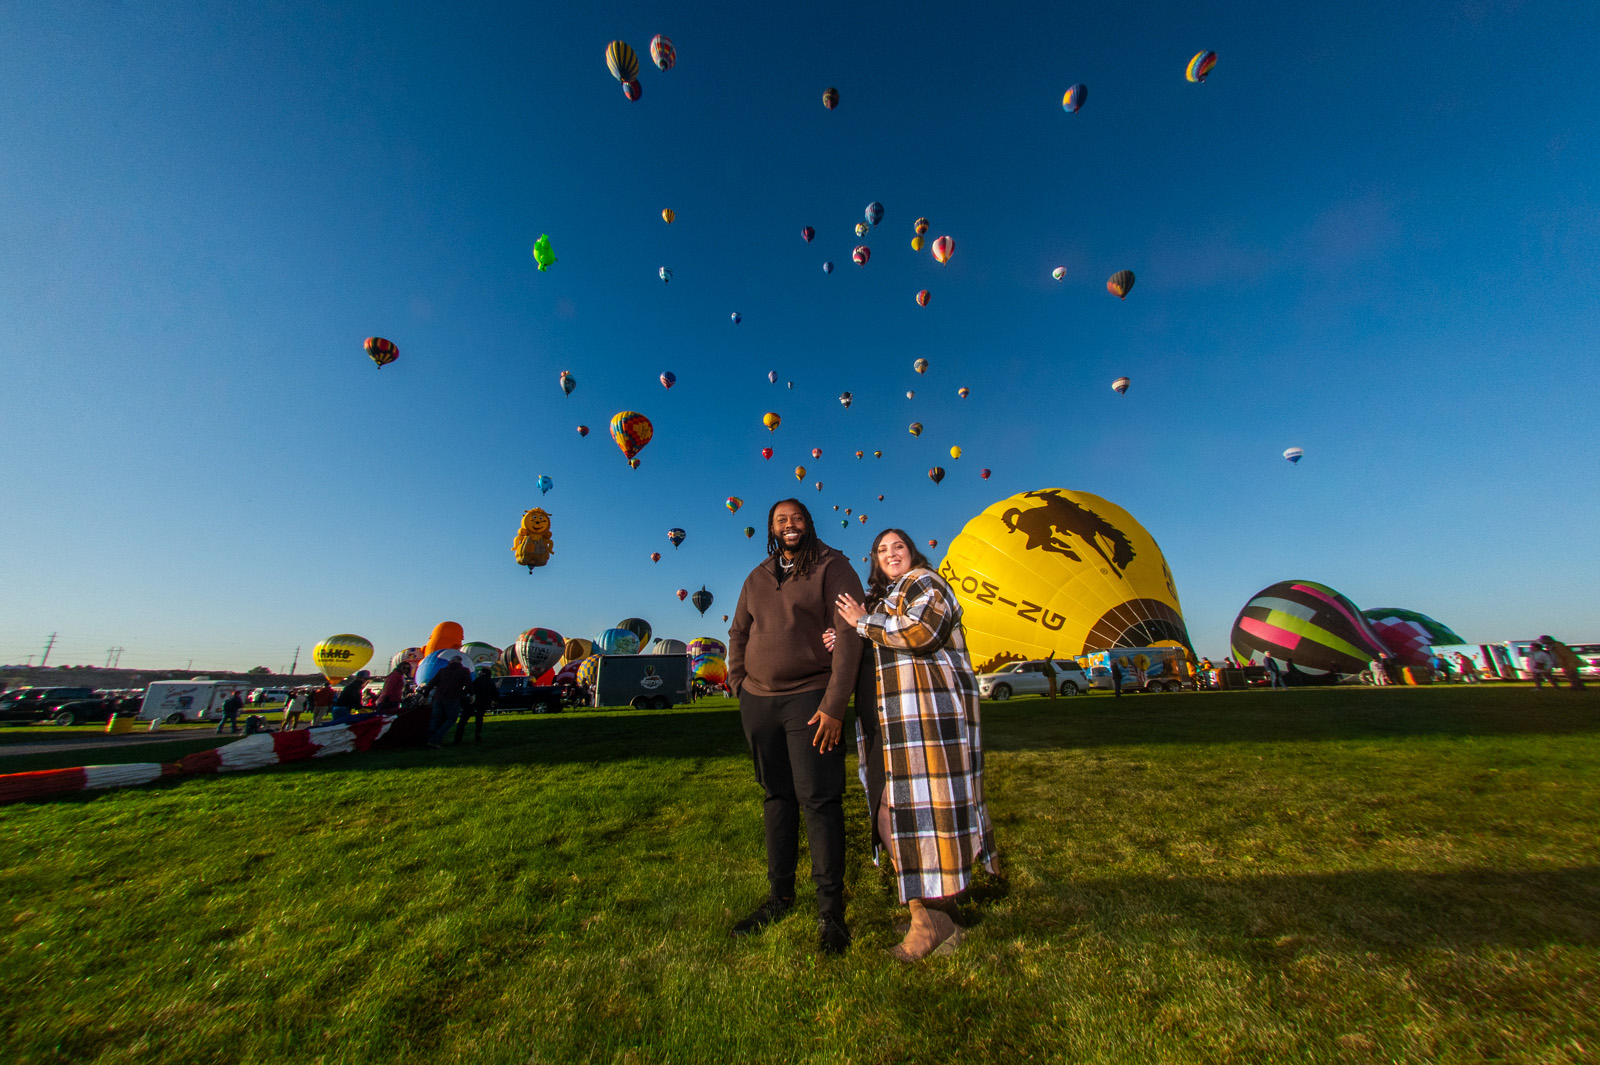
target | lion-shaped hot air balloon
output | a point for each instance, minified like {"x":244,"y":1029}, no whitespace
{"x":339,"y":656}
{"x":533,"y":544}
{"x":1058,"y":572}
{"x":1310,"y":623}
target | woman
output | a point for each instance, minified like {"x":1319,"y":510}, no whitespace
{"x":932,"y":823}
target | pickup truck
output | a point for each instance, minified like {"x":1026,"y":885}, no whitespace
{"x":515,"y":693}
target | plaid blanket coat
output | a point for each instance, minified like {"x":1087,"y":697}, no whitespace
{"x":932,"y":747}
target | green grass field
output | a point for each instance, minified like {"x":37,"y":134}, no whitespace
{"x":1344,"y":875}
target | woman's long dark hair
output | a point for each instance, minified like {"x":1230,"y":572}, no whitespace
{"x":878,"y":581}
{"x":809,"y":549}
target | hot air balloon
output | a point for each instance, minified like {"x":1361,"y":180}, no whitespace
{"x":1200,"y":66}
{"x":771,"y":421}
{"x":819,"y":486}
{"x":733,"y":504}
{"x":702,"y":600}
{"x":846,"y":511}
{"x":955,"y":452}
{"x":617,"y":641}
{"x":682,"y":593}
{"x":766,"y":453}
{"x":921,"y":226}
{"x":737,"y":317}
{"x":862,"y":517}
{"x":858,"y":454}
{"x":921,"y":366}
{"x":339,"y":656}
{"x":533,"y":543}
{"x":816,"y":452}
{"x":878,"y":455}
{"x":922,"y":298}
{"x":544,"y":483}
{"x":943,"y":248}
{"x":933,"y":543}
{"x":772,"y":377}
{"x":861,"y":254}
{"x":665,"y":273}
{"x":916,"y":430}
{"x":844,"y":523}
{"x":655,"y":556}
{"x":911,"y":395}
{"x":542,"y":253}
{"x":1323,"y":632}
{"x":408,"y":657}
{"x":1120,"y":386}
{"x":830,"y":98}
{"x":632,"y":89}
{"x":1408,"y":635}
{"x":749,"y":531}
{"x":577,"y":649}
{"x":845,"y":399}
{"x":633,"y":464}
{"x":446,"y":635}
{"x":1294,"y":455}
{"x":632,"y":431}
{"x":936,"y":474}
{"x":430,"y":666}
{"x":381,"y":351}
{"x":583,"y":430}
{"x":963,"y":392}
{"x":667,"y":215}
{"x":538,"y":650}
{"x":916,"y":243}
{"x":662,"y":52}
{"x":668,"y":379}
{"x":676,"y":536}
{"x":621,"y":61}
{"x":874,"y":213}
{"x":1059,"y":572}
{"x":1120,"y":284}
{"x":1059,"y":273}
{"x":639,"y":627}
{"x":799,"y":473}
{"x":984,"y":474}
{"x":827,"y":267}
{"x":861,"y":229}
{"x":568,"y":382}
{"x":1074,"y":98}
{"x":807,"y":233}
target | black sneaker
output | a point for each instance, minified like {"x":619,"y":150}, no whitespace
{"x":765,"y":914}
{"x":833,"y":935}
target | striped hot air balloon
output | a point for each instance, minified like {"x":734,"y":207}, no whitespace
{"x":861,"y":255}
{"x":921,"y":226}
{"x":943,"y":248}
{"x":922,"y":298}
{"x":830,"y":98}
{"x":936,"y":474}
{"x":382,"y":351}
{"x":1120,"y":284}
{"x":807,"y":234}
{"x":1294,"y":454}
{"x":1200,"y":66}
{"x":622,"y":61}
{"x":1323,"y":632}
{"x":662,"y":52}
{"x":1120,"y":386}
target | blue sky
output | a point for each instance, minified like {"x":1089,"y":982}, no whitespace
{"x":1372,"y":233}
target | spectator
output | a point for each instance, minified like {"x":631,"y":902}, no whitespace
{"x":1116,"y":677}
{"x":1466,"y":669}
{"x":321,"y":703}
{"x":483,"y":695}
{"x":349,"y":700}
{"x":1274,"y":672}
{"x":1565,"y":659}
{"x":445,"y":692}
{"x":1049,"y":671}
{"x":230,"y":712}
{"x":1539,"y":665}
{"x":298,"y":700}
{"x":394,"y":689}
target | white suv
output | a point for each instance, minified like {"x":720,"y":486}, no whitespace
{"x":1027,"y":678}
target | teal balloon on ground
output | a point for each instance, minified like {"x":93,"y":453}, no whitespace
{"x":617,"y":642}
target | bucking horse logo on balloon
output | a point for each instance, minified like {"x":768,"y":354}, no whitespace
{"x":1052,"y":527}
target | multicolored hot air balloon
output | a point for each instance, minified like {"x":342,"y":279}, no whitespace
{"x":682,"y":594}
{"x":845,"y":399}
{"x":632,"y":431}
{"x":861,"y":229}
{"x":1120,"y":386}
{"x":538,"y":650}
{"x":807,"y":233}
{"x":916,"y":430}
{"x":568,"y":382}
{"x":733,"y":504}
{"x":922,"y":298}
{"x":1322,"y":631}
{"x":1059,"y":273}
{"x":874,"y":213}
{"x":921,"y":366}
{"x":766,"y":453}
{"x":933,"y":543}
{"x":921,"y":226}
{"x":799,"y":473}
{"x":771,"y":421}
{"x":1073,"y":100}
{"x":1200,"y":66}
{"x":676,"y":536}
{"x":622,"y":61}
{"x":859,"y":454}
{"x":1120,"y":284}
{"x":381,"y":351}
{"x":665,"y":274}
{"x":667,"y":215}
{"x":1294,"y":455}
{"x":963,"y":391}
{"x":668,"y":379}
{"x":617,"y":641}
{"x":544,"y":483}
{"x":1410,"y":636}
{"x":943,"y":248}
{"x":861,"y":254}
{"x":984,"y":474}
{"x":633,"y":464}
{"x":662,"y":52}
{"x":632,"y":89}
{"x":702,"y":600}
{"x":737,"y":317}
{"x":936,"y":474}
{"x":583,"y":430}
{"x":749,"y":531}
{"x":830,"y":98}
{"x":878,"y":455}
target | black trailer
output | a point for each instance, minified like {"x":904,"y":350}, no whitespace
{"x":644,"y":682}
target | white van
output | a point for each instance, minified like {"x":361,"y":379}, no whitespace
{"x":177,"y":701}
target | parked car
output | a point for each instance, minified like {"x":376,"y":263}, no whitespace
{"x":261,"y":696}
{"x":30,"y":704}
{"x":83,"y":711}
{"x":1027,"y":678}
{"x":516,"y":693}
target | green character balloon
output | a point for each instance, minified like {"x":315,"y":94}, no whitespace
{"x":542,"y":253}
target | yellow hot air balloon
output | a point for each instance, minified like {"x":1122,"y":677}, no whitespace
{"x":667,"y":216}
{"x":916,"y":243}
{"x":339,"y":656}
{"x":799,"y":473}
{"x":1057,"y":572}
{"x":771,"y":421}
{"x":955,"y":452}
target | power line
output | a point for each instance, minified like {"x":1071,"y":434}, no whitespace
{"x":48,"y":644}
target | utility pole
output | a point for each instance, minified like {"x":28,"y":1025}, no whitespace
{"x":48,"y":644}
{"x":118,"y":660}
{"x":296,"y":664}
{"x":109,"y":652}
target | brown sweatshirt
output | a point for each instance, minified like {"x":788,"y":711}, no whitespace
{"x":775,"y":641}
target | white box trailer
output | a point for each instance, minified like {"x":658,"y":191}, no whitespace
{"x":177,"y":701}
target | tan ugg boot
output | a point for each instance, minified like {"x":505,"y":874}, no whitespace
{"x":932,"y":932}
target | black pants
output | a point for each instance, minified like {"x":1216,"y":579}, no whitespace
{"x":796,"y":775}
{"x":474,"y":711}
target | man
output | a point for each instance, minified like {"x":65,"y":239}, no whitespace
{"x":792,"y":692}
{"x":1274,"y":671}
{"x":230,"y":712}
{"x":1116,"y":677}
{"x":483,"y":695}
{"x":349,"y":700}
{"x":446,"y":686}
{"x":1049,"y":671}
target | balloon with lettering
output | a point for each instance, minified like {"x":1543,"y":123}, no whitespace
{"x":339,"y":656}
{"x":1059,"y":572}
{"x":381,"y":351}
{"x":1311,"y":623}
{"x":1294,"y":454}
